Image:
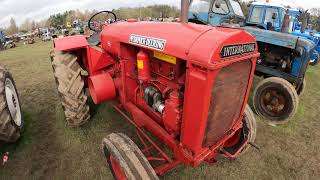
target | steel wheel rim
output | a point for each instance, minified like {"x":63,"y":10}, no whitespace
{"x":13,"y":102}
{"x":117,"y":169}
{"x":273,"y":102}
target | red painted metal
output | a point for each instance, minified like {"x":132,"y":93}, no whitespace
{"x":99,"y":59}
{"x":234,"y":139}
{"x":101,"y":87}
{"x":117,"y":169}
{"x":173,"y":114}
{"x":143,"y":65}
{"x":184,"y":74}
{"x":165,"y":156}
{"x":70,"y":43}
{"x":236,"y":153}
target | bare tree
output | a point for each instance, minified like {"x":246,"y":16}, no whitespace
{"x":33,"y":25}
{"x":26,"y":25}
{"x":13,"y":28}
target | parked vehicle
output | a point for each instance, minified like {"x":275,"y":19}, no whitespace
{"x":46,"y":34}
{"x":29,"y":39}
{"x":272,"y":17}
{"x":182,"y":83}
{"x":2,"y":41}
{"x":9,"y":43}
{"x":306,"y":32}
{"x":283,"y":61}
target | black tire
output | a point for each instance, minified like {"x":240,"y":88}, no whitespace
{"x":302,"y":88}
{"x":120,"y":150}
{"x":11,"y":118}
{"x":275,"y":100}
{"x":248,"y":130}
{"x":250,"y":125}
{"x":71,"y":88}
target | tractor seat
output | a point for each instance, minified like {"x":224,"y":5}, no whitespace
{"x":270,"y":26}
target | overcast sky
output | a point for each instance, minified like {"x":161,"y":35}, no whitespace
{"x":40,"y":9}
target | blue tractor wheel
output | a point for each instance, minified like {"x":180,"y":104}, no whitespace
{"x":275,"y":100}
{"x":314,"y":58}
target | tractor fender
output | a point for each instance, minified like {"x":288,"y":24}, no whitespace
{"x":307,"y":44}
{"x":315,"y":55}
{"x":70,"y":43}
{"x":304,"y":49}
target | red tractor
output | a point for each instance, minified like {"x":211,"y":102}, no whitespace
{"x":184,"y":84}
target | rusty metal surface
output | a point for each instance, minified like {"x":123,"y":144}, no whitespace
{"x":226,"y":100}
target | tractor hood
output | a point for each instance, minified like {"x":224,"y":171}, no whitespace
{"x":200,"y":44}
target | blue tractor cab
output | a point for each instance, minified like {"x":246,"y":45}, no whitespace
{"x":270,"y":16}
{"x":215,"y":12}
{"x":266,"y":15}
{"x":284,"y":57}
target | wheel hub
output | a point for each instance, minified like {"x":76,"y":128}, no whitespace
{"x":13,"y":102}
{"x":273,"y":101}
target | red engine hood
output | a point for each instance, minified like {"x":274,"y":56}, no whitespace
{"x":197,"y":43}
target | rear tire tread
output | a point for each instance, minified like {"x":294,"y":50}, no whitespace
{"x":129,"y":157}
{"x":8,"y":131}
{"x":70,"y":86}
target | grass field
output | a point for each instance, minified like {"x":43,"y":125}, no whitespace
{"x":50,"y":150}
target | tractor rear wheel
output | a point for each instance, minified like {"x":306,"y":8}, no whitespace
{"x":71,"y":88}
{"x":249,"y":131}
{"x":11,"y":119}
{"x":275,"y":100}
{"x":125,"y":159}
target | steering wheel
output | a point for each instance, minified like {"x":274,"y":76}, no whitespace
{"x":97,"y":25}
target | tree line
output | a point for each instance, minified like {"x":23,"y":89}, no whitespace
{"x":60,"y":19}
{"x":154,"y":11}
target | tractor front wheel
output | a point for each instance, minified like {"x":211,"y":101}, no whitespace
{"x":248,"y":131}
{"x":71,"y":88}
{"x":11,"y":119}
{"x":275,"y":100}
{"x":125,"y":159}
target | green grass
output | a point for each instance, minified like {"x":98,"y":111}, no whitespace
{"x":24,"y":141}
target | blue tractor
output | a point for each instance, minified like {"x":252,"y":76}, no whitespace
{"x":270,"y":16}
{"x":283,"y":61}
{"x":303,"y":29}
{"x":2,"y":40}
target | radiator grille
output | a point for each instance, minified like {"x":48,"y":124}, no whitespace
{"x":227,"y":97}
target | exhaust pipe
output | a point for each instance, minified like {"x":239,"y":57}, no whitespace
{"x":305,"y":21}
{"x":286,"y":23}
{"x":184,"y":11}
